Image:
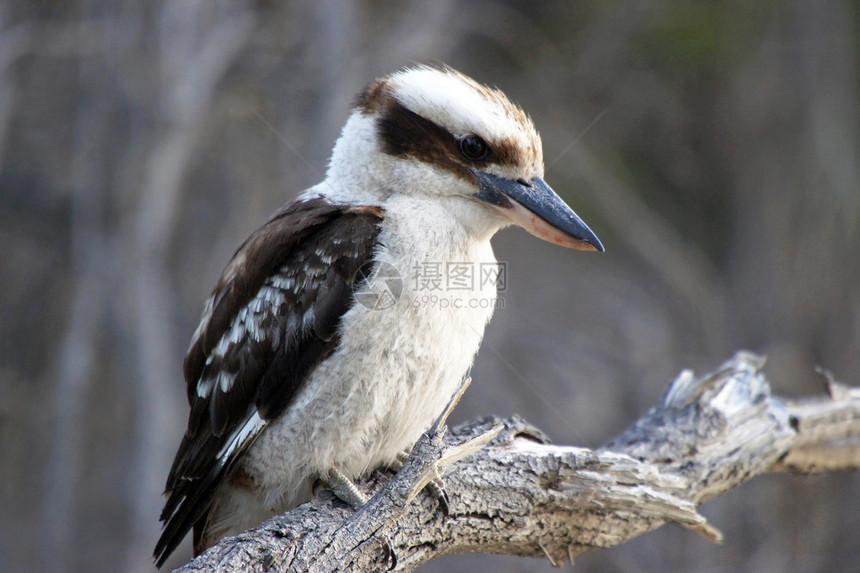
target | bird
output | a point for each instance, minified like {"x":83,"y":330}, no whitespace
{"x":310,"y":362}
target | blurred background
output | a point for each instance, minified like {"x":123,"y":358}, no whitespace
{"x":713,"y":147}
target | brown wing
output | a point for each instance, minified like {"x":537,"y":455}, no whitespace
{"x":271,"y":319}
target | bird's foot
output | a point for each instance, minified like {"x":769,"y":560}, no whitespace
{"x":344,"y":489}
{"x":433,"y":483}
{"x":432,"y":444}
{"x":449,"y":455}
{"x":436,"y":486}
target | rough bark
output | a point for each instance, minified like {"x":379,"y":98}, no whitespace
{"x":521,"y":495}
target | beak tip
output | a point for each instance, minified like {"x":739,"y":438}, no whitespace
{"x":597,"y":245}
{"x":589,"y":244}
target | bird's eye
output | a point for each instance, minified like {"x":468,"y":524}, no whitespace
{"x":473,"y":148}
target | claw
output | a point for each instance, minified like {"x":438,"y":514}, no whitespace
{"x":344,"y":489}
{"x":435,"y":487}
{"x":389,"y":555}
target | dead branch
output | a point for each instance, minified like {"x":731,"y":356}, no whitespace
{"x":523,"y":496}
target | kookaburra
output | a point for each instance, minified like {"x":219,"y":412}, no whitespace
{"x":289,"y":376}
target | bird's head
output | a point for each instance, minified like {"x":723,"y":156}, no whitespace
{"x":435,"y":132}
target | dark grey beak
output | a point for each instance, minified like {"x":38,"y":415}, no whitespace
{"x":535,"y":207}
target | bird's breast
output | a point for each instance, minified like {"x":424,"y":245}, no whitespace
{"x":410,"y":337}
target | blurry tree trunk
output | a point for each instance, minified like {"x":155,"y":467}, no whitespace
{"x":523,"y":496}
{"x":190,"y":68}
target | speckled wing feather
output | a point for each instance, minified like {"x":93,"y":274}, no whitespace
{"x":271,"y":319}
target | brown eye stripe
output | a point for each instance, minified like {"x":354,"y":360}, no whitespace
{"x":404,"y":133}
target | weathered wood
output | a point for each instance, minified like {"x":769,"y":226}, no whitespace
{"x":523,"y":496}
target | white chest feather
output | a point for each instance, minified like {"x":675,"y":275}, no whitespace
{"x":399,"y":360}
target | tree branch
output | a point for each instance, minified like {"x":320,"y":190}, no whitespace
{"x":523,"y":496}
